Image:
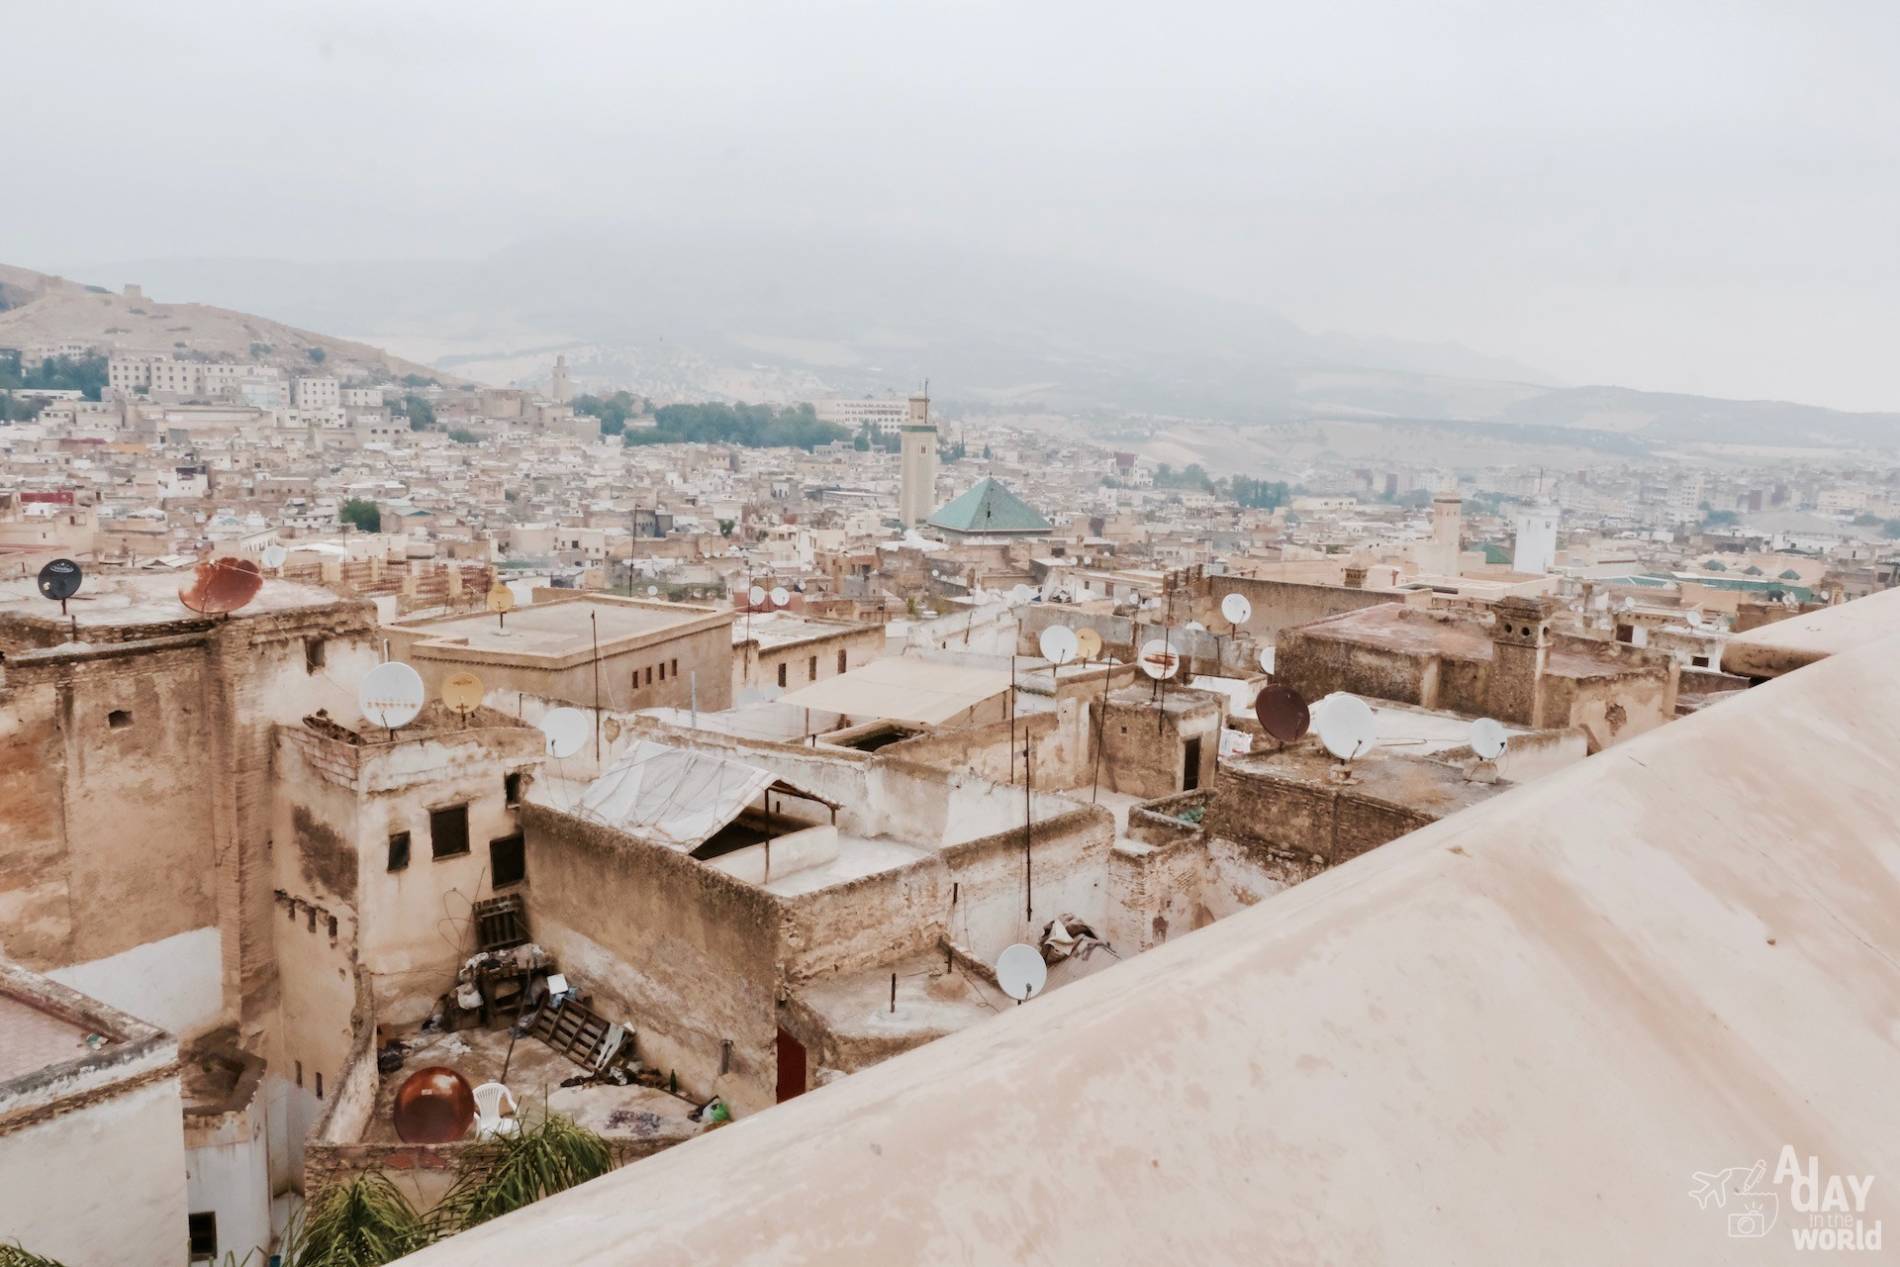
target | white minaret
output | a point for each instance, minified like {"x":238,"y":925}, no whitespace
{"x":1447,"y":527}
{"x":563,"y":390}
{"x":917,"y":496}
{"x":1536,"y":547}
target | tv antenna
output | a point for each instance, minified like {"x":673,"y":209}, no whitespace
{"x":1058,"y":644}
{"x":501,"y":601}
{"x":1347,"y":726}
{"x":221,"y":586}
{"x":1021,"y":973}
{"x":1282,"y":714}
{"x":390,"y":695}
{"x":565,"y":730}
{"x":462,"y":691}
{"x":1488,"y":738}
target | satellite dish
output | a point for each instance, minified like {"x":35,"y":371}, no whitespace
{"x":652,"y":590}
{"x":1058,"y":644}
{"x":1158,"y":659}
{"x":1694,"y":618}
{"x":755,"y":596}
{"x":59,"y":580}
{"x":780,"y":596}
{"x":274,"y":557}
{"x":1021,"y":972}
{"x":462,"y":691}
{"x":566,"y":730}
{"x":1088,"y":643}
{"x":1347,"y":727}
{"x":501,"y":599}
{"x":1266,"y":659}
{"x":1195,"y":626}
{"x":434,"y":1106}
{"x":1236,"y":608}
{"x":1487,"y":738}
{"x":1282,"y":713}
{"x":221,"y":586}
{"x":390,"y":695}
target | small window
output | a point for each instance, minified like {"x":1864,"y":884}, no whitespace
{"x":299,"y":1073}
{"x":676,"y":668}
{"x":398,"y":850}
{"x":649,"y":675}
{"x":310,"y":918}
{"x":118,"y":719}
{"x":202,"y":1229}
{"x":448,"y":831}
{"x":507,"y":860}
{"x":319,"y":1086}
{"x":781,"y":675}
{"x":662,"y":670}
{"x":333,"y":928}
{"x":841,"y":661}
{"x":811,"y":670}
{"x":511,"y":788}
{"x":313,"y":652}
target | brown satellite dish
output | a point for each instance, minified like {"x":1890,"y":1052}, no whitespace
{"x":1282,"y":713}
{"x":1088,"y":643}
{"x":221,"y":586}
{"x":501,"y":599}
{"x":462,"y":691}
{"x":434,"y":1106}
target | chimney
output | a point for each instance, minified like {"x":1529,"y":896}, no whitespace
{"x":1520,"y":653}
{"x":1355,"y":578}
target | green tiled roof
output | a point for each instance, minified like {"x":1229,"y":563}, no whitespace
{"x":989,"y":507}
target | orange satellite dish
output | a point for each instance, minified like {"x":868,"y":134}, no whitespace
{"x":501,"y":599}
{"x":221,"y":586}
{"x":462,"y":691}
{"x":434,"y":1106}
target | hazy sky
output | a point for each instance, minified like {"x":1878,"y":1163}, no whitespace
{"x":1668,"y":194}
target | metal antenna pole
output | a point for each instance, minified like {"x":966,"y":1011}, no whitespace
{"x":593,"y":620}
{"x":1101,"y":735}
{"x":1029,"y":778}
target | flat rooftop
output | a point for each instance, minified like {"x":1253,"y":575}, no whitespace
{"x":1396,"y":627}
{"x":779,"y":629}
{"x":564,"y":628}
{"x":32,"y":1039}
{"x":113,"y":599}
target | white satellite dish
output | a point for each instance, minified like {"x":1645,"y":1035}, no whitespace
{"x":755,"y":595}
{"x":652,"y":590}
{"x":1021,"y":972}
{"x":1195,"y":626}
{"x":1266,"y":659}
{"x":566,"y":730}
{"x":1157,"y":659}
{"x":390,"y":695}
{"x":1346,"y":726}
{"x":274,"y":556}
{"x":1058,"y":644}
{"x":1694,"y":618}
{"x":1236,"y":608}
{"x":1487,"y":738}
{"x":780,"y":596}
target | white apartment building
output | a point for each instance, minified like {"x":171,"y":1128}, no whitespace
{"x":169,"y":376}
{"x":316,"y":393}
{"x":886,"y":417}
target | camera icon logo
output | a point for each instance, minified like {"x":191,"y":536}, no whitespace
{"x":1741,"y":1193}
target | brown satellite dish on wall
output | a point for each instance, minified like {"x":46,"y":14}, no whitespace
{"x":1088,"y":643}
{"x":1282,"y":713}
{"x":501,"y":600}
{"x":221,"y":586}
{"x":462,"y":691}
{"x":434,"y":1106}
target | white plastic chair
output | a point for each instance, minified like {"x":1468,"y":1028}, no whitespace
{"x":489,"y":1098}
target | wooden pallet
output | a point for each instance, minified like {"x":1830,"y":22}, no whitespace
{"x":500,"y":923}
{"x":576,"y":1031}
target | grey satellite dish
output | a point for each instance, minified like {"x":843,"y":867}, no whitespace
{"x":652,"y":590}
{"x":1694,"y":618}
{"x":780,"y":596}
{"x":274,"y":556}
{"x":566,"y":731}
{"x":60,"y":579}
{"x":1236,"y":609}
{"x":1346,"y":726}
{"x":1058,"y":644}
{"x":390,"y":695}
{"x":755,"y":596}
{"x":1487,"y":738}
{"x":1021,"y":972}
{"x":1157,"y":659}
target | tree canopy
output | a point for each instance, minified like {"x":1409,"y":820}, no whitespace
{"x":363,"y":514}
{"x":753,"y":426}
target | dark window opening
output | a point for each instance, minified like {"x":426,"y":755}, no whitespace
{"x":662,"y":670}
{"x":398,"y":850}
{"x":841,"y":662}
{"x":511,"y":788}
{"x":333,"y":928}
{"x":299,"y":1073}
{"x":781,"y":675}
{"x":791,"y":1067}
{"x":676,"y":668}
{"x":811,"y":670}
{"x":1191,"y":764}
{"x":319,"y":1086}
{"x":507,"y":860}
{"x":310,"y":918}
{"x":202,"y":1230}
{"x":1625,"y":633}
{"x":313,"y":651}
{"x":448,"y":831}
{"x":1699,"y":661}
{"x":118,"y":719}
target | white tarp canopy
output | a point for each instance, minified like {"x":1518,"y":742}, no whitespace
{"x":673,"y":796}
{"x":898,"y":688}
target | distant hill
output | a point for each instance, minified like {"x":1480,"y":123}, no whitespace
{"x":1673,"y":417}
{"x":38,"y":308}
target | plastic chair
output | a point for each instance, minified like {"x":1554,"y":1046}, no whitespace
{"x":489,"y":1098}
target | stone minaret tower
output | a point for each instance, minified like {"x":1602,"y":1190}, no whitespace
{"x":563,"y":390}
{"x":917,"y":496}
